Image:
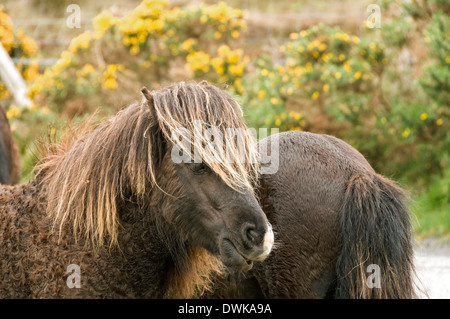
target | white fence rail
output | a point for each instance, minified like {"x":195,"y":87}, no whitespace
{"x":13,"y":79}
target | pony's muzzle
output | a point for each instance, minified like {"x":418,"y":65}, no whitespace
{"x":269,"y":239}
{"x":260,"y":245}
{"x":255,"y":245}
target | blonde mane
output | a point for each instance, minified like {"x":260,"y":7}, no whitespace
{"x":85,"y":177}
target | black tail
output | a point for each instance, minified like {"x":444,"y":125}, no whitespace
{"x":376,"y":257}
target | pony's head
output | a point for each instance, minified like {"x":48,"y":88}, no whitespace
{"x":214,"y":162}
{"x":184,"y":157}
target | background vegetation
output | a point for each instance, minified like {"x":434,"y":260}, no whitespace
{"x":384,"y":90}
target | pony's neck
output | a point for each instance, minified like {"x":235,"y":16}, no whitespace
{"x":158,"y":261}
{"x":142,"y":256}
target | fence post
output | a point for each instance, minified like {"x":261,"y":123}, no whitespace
{"x":13,"y":79}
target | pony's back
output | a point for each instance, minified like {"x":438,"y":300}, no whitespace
{"x":337,"y":220}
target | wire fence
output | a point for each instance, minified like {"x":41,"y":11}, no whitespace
{"x":49,"y":32}
{"x":54,"y":32}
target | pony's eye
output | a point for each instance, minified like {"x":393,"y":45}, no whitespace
{"x":198,"y":167}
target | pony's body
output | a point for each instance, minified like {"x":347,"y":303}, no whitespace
{"x":333,"y":216}
{"x":35,"y":260}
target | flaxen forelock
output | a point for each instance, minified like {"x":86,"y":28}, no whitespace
{"x":197,"y":108}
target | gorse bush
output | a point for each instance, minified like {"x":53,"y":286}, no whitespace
{"x":228,"y":66}
{"x":421,"y":107}
{"x":363,"y":90}
{"x":149,"y":45}
{"x":18,"y":45}
{"x":325,"y":68}
{"x":103,"y":68}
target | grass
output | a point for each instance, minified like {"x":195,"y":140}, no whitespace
{"x":431,"y":220}
{"x":432,"y":208}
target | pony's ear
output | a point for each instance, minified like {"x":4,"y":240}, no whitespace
{"x":158,"y":141}
{"x":148,"y":96}
{"x":150,"y":102}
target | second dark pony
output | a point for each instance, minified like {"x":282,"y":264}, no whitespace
{"x":342,"y":230}
{"x":9,"y":159}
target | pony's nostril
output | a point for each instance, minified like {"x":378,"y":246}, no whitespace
{"x":252,"y":235}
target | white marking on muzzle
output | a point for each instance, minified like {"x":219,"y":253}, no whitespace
{"x":268,"y":241}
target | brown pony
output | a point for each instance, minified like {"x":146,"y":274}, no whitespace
{"x":111,"y":214}
{"x":341,"y":229}
{"x":9,"y":158}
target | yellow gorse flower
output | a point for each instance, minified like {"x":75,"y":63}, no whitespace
{"x":223,"y":50}
{"x":278,"y":122}
{"x":108,"y":79}
{"x":13,"y":112}
{"x":261,"y":94}
{"x":235,"y":34}
{"x":315,"y":95}
{"x":198,"y":61}
{"x":237,"y":69}
{"x":6,"y":31}
{"x":295,"y":115}
{"x":32,"y":72}
{"x":103,"y":22}
{"x":406,"y":132}
{"x":342,"y":36}
{"x":134,"y":50}
{"x":110,"y":84}
{"x":85,"y":71}
{"x":347,"y":67}
{"x":81,"y":42}
{"x":188,"y":45}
